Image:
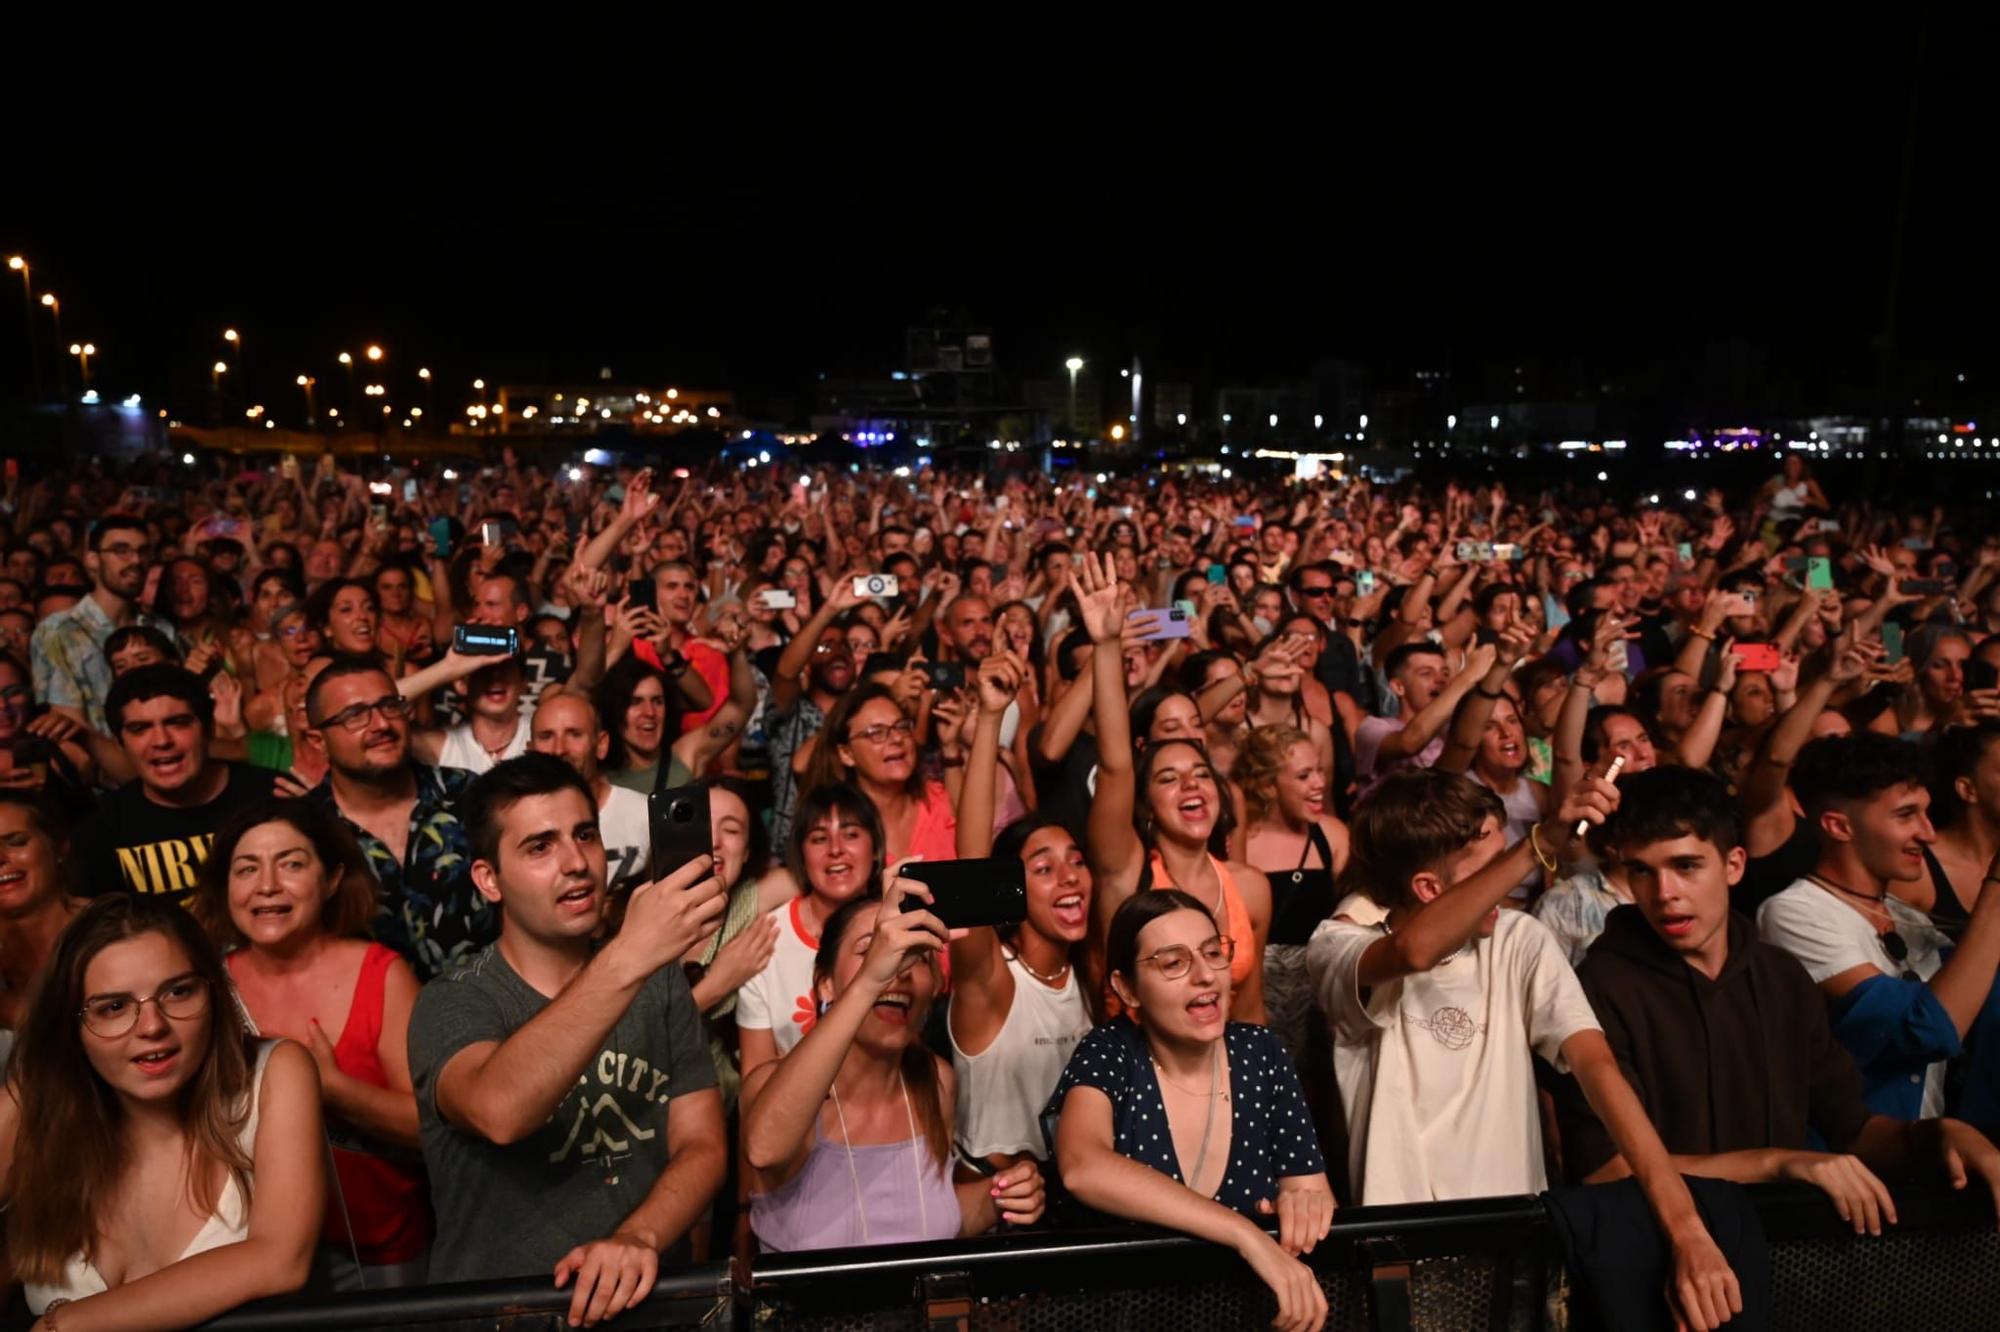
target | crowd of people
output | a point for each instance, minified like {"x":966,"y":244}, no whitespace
{"x":1382,"y":843}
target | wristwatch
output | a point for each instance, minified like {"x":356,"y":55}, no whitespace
{"x":674,"y":664}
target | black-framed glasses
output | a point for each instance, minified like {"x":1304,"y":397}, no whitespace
{"x":879,"y":732}
{"x":1177,"y":960}
{"x":1317,"y":592}
{"x":394,"y":707}
{"x":114,"y":1015}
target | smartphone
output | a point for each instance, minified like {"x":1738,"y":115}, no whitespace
{"x":875,"y":585}
{"x":945,"y":675}
{"x":378,"y":513}
{"x":485,"y":640}
{"x":1185,"y":606}
{"x":1892,"y":639}
{"x":1246,"y":520}
{"x":491,"y":534}
{"x":778,"y":599}
{"x":1756,"y":656}
{"x":678,"y":821}
{"x":877,"y":662}
{"x":641,"y":595}
{"x":1217,"y":574}
{"x":1506,"y":550}
{"x":1685,"y":550}
{"x":1167,"y":624}
{"x":969,"y":894}
{"x":33,"y":752}
{"x":440,"y":530}
{"x":1927,"y":587}
{"x":1619,"y":656}
{"x":1819,"y":574}
{"x":1364,"y":583}
{"x":409,"y":490}
{"x":1981,"y":674}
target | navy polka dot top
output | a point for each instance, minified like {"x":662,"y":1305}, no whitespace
{"x":1270,"y":1132}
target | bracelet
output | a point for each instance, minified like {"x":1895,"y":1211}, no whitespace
{"x":950,"y":762}
{"x":1481,"y":691}
{"x":1696,"y":633}
{"x":1543,"y":858}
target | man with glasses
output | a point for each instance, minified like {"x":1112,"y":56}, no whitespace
{"x":813,"y":671}
{"x":404,"y":814}
{"x":152,"y":835}
{"x":1904,"y":1000}
{"x":1317,"y":591}
{"x":72,"y":674}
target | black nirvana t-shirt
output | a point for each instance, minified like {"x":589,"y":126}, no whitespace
{"x":132,"y":844}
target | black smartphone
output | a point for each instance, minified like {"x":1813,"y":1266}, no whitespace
{"x":1304,"y":899}
{"x":945,"y":675}
{"x":880,"y":661}
{"x":967,"y":894}
{"x":1981,"y":674}
{"x":640,"y":594}
{"x":1926,"y":587}
{"x":485,"y":640}
{"x":678,"y":817}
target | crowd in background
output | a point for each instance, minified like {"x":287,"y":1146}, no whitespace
{"x":1382,"y":843}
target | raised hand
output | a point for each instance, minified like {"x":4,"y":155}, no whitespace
{"x":999,"y":681}
{"x":1097,"y":596}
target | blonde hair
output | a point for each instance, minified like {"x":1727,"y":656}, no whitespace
{"x":1258,"y":762}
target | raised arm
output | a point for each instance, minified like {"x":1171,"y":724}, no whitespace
{"x":640,"y":501}
{"x":1697,"y":745}
{"x":1468,"y":722}
{"x":1113,"y":845}
{"x":786,"y":683}
{"x":504,"y":1090}
{"x":1431,"y":718}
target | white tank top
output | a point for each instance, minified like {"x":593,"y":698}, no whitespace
{"x":1524,"y":811}
{"x":228,"y":1224}
{"x":1003,"y":1089}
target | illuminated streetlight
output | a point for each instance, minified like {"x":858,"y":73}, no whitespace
{"x":20,"y":265}
{"x":374,"y":352}
{"x":345,"y":359}
{"x":83,"y":352}
{"x":422,"y":373}
{"x":479,"y":384}
{"x":229,"y":335}
{"x":1073,"y":364}
{"x":54,"y":307}
{"x":307,"y":382}
{"x":1117,"y":432}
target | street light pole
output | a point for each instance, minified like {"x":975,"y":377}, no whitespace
{"x":306,"y":382}
{"x":215,"y":374}
{"x":347,"y":364}
{"x":20,"y":265}
{"x":62,"y":367}
{"x":83,"y":351}
{"x":1074,"y":364}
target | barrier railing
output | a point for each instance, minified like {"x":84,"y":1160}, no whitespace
{"x":1486,"y":1264}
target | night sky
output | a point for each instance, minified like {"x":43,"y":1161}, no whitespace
{"x":1623,"y":203}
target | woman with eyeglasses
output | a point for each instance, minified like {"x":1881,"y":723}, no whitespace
{"x":848,"y":1137}
{"x":288,"y":893}
{"x":1176,"y":1116}
{"x":1164,"y":821}
{"x":298,"y":643}
{"x":162,"y":1167}
{"x":870,"y":742}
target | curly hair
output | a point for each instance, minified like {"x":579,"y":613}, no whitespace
{"x":1258,"y":762}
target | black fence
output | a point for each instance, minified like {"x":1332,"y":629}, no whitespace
{"x":1486,"y":1265}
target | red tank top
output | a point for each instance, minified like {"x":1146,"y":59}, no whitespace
{"x":387,"y":1203}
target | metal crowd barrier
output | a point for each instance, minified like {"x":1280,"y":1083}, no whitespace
{"x":1484,"y":1265}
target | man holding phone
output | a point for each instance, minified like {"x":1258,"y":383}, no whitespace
{"x":565,"y":1094}
{"x":813,"y":671}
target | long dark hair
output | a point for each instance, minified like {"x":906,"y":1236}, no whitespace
{"x":73,"y":1153}
{"x":613,"y":696}
{"x":918,"y":1064}
{"x":1142,"y":805}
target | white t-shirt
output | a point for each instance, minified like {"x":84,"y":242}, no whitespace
{"x":627,"y":833}
{"x":1829,"y":937}
{"x":1434,"y":1068}
{"x":779,"y":999}
{"x":461,"y":750}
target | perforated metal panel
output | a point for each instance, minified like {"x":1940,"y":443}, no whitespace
{"x":1905,"y":1278}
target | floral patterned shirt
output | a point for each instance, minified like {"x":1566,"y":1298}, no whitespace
{"x":428,"y":911}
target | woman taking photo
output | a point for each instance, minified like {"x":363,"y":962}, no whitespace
{"x":1290,"y":833}
{"x":848,"y":1137}
{"x":162,"y":1167}
{"x":288,"y":893}
{"x":870,"y":742}
{"x":1176,"y":1116}
{"x":1018,"y":1006}
{"x":1167,"y":825}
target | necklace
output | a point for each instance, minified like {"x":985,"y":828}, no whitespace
{"x":1217,"y":1091}
{"x":860,"y":1208}
{"x":1825,"y":882}
{"x":1053,"y":981}
{"x":1220,"y":1092}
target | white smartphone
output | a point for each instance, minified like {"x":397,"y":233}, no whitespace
{"x":774,"y":599}
{"x":875,"y":585}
